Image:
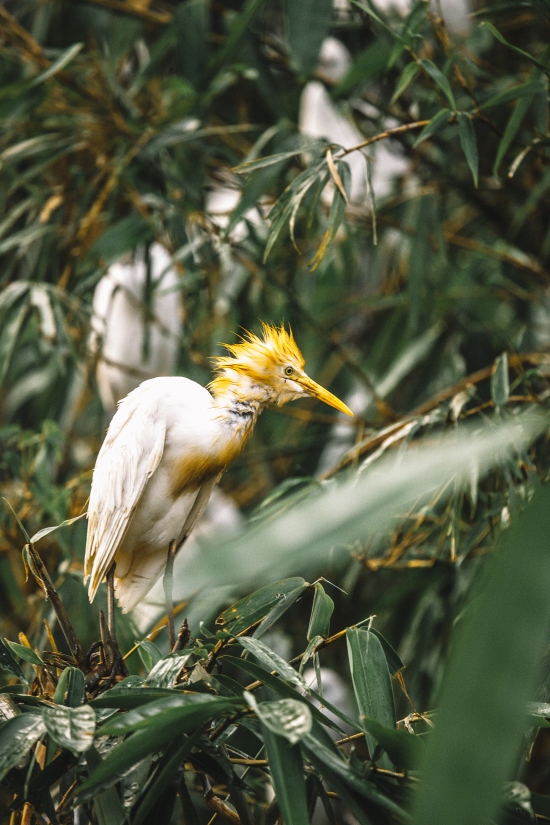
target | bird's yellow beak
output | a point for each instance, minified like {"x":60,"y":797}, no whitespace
{"x":317,"y":391}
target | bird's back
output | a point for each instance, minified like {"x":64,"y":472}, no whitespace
{"x":133,"y":512}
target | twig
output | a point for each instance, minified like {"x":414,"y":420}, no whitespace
{"x":42,"y":576}
{"x":406,"y":127}
{"x":162,"y":18}
{"x":218,"y":805}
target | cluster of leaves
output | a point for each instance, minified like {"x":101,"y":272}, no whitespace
{"x":192,"y":727}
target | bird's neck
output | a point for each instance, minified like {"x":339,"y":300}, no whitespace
{"x":239,"y":397}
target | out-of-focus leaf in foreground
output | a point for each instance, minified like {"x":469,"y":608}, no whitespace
{"x":357,"y":509}
{"x":490,"y":678}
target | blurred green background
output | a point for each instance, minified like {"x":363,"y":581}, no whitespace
{"x":133,"y":146}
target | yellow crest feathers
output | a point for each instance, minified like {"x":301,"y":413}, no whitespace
{"x":257,"y":356}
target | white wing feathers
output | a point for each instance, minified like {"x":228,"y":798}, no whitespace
{"x":130,"y":454}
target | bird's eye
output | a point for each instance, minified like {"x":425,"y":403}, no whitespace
{"x":289,"y":371}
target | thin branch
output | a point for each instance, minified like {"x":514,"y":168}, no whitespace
{"x":406,"y":127}
{"x":42,"y":576}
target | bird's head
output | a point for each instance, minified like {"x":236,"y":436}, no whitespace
{"x":272,"y":363}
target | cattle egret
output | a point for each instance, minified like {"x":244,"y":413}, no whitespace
{"x":167,"y":446}
{"x":136,"y":323}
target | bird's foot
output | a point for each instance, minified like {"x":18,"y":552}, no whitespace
{"x":112,"y":657}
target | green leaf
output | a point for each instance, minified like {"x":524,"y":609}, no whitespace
{"x":280,"y":687}
{"x":167,"y":770}
{"x":107,"y":805}
{"x":368,"y":65}
{"x":468,"y":142}
{"x":515,"y":49}
{"x":26,"y":653}
{"x":287,"y":773}
{"x":322,"y":610}
{"x":157,"y":731}
{"x":11,"y":327}
{"x":70,"y":690}
{"x":166,"y":671}
{"x":72,"y":728}
{"x":63,"y":59}
{"x":250,"y":610}
{"x":286,"y":601}
{"x":286,"y":717}
{"x":512,"y":127}
{"x":237,"y":30}
{"x":440,"y":81}
{"x":47,"y":530}
{"x":190,"y":816}
{"x":307,"y":24}
{"x":500,"y":382}
{"x":306,"y":145}
{"x":407,"y":76}
{"x":322,"y":752}
{"x":392,"y":658}
{"x":371,"y":683}
{"x":184,"y":711}
{"x":530,"y":88}
{"x":131,"y":697}
{"x":17,"y":736}
{"x":404,"y":749}
{"x":7,"y":662}
{"x":273,"y":661}
{"x":8,"y":708}
{"x":149,"y":654}
{"x":499,"y":640}
{"x":336,"y":215}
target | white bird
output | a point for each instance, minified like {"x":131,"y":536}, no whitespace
{"x":136,"y":323}
{"x":167,"y":446}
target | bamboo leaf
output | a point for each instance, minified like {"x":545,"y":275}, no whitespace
{"x":149,"y":654}
{"x":47,"y":530}
{"x":371,"y":683}
{"x":63,"y":60}
{"x":107,"y":805}
{"x":307,"y":24}
{"x":468,"y":142}
{"x":437,"y":122}
{"x":515,"y":49}
{"x":255,"y":607}
{"x":499,"y":641}
{"x":166,"y":671}
{"x":184,"y":712}
{"x":273,"y":661}
{"x":7,"y":662}
{"x":280,"y":687}
{"x":404,"y":749}
{"x":529,"y":88}
{"x":440,"y":81}
{"x":17,"y":736}
{"x":512,"y":127}
{"x":407,"y":76}
{"x":336,"y":216}
{"x":71,"y":727}
{"x":26,"y":653}
{"x":286,"y":717}
{"x":322,"y":610}
{"x":287,"y":772}
{"x":500,"y":382}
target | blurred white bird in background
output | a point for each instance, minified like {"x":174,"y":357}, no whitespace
{"x":136,"y":323}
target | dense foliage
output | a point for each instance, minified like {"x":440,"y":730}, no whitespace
{"x":409,"y":249}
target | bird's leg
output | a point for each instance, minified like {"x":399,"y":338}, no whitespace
{"x":118,"y":663}
{"x":168,"y":582}
{"x":111,"y":603}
